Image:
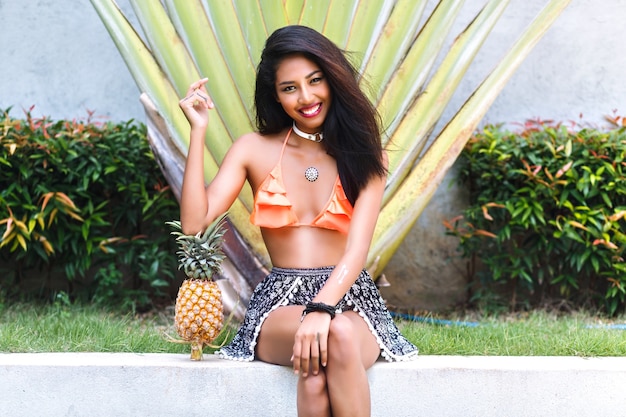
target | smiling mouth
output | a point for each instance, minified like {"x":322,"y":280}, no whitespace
{"x":311,"y":111}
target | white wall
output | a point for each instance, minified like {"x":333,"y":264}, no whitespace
{"x":57,"y":55}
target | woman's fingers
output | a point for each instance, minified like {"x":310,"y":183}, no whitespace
{"x":323,"y":347}
{"x":297,"y":356}
{"x":197,"y":96}
{"x":310,"y":349}
{"x":197,"y":85}
{"x":301,"y":358}
{"x":196,"y":103}
{"x":310,"y":353}
{"x":315,"y":355}
{"x":304,"y":351}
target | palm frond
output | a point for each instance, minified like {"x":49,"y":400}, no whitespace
{"x":411,"y":70}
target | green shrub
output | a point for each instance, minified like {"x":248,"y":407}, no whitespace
{"x":83,"y":206}
{"x":546,"y":215}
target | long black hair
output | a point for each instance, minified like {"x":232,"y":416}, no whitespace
{"x":351,"y":128}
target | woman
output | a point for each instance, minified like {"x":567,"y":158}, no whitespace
{"x":318,"y":310}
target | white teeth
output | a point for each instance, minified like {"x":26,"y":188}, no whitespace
{"x":309,"y":112}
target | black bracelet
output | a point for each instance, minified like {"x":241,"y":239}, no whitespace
{"x":324,"y":308}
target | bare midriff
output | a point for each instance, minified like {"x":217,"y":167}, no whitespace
{"x":304,"y":246}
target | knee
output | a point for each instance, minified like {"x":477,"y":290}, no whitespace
{"x":342,"y":339}
{"x":313,"y":385}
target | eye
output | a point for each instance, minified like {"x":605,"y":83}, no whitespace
{"x":317,"y":80}
{"x":289,"y":88}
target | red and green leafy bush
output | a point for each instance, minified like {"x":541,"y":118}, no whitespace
{"x":82,"y":211}
{"x":546,"y":220}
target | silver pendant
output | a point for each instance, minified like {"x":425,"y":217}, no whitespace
{"x":311,"y":174}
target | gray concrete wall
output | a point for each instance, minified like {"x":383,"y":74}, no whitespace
{"x":57,"y":56}
{"x":576,"y":69}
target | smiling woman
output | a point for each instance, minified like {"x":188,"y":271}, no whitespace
{"x":318,"y":189}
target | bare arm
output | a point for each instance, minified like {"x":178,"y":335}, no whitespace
{"x":362,"y":227}
{"x":200,"y":205}
{"x":315,"y":325}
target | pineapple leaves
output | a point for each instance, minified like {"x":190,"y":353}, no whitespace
{"x":200,"y":256}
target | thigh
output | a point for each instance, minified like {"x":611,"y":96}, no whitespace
{"x":370,"y":351}
{"x":275,"y":341}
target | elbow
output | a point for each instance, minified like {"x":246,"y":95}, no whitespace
{"x":189,"y":231}
{"x":190,"y":228}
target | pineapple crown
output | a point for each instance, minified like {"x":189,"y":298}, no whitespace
{"x":200,"y":255}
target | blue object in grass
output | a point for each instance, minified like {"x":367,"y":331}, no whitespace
{"x":431,"y":320}
{"x":607,"y":326}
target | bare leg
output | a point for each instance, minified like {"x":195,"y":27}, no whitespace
{"x":343,"y":384}
{"x":352,"y":349}
{"x":275,"y":342}
{"x":275,"y":345}
{"x":313,"y":397}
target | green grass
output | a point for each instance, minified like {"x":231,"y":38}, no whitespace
{"x":75,"y":328}
{"x":54,"y":328}
{"x":534,"y":334}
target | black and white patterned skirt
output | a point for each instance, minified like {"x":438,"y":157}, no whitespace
{"x":287,"y":286}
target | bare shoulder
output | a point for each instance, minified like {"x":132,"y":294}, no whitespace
{"x":241,"y":150}
{"x":254,"y":142}
{"x":245,"y":141}
{"x":255,"y":145}
{"x":249,"y":138}
{"x":257,"y":153}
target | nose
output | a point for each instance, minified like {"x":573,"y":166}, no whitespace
{"x":306,"y":95}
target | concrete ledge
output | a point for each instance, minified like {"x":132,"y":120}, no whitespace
{"x":126,"y":384}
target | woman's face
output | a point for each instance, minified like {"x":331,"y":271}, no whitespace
{"x":304,"y":93}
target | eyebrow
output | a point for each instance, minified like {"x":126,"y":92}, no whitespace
{"x":307,"y":77}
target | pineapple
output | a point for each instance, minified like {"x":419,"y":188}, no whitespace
{"x":199,"y":312}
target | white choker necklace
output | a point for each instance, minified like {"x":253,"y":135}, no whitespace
{"x":316,"y":137}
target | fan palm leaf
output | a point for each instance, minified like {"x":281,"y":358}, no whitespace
{"x":419,"y":186}
{"x":222,"y":40}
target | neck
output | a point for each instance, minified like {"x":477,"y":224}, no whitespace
{"x":314,"y":137}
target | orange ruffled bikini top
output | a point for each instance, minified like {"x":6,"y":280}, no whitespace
{"x":272,"y":208}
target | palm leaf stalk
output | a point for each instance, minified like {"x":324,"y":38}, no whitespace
{"x":222,"y":40}
{"x":418,"y":121}
{"x":392,"y":46}
{"x":195,"y":30}
{"x":154,"y":75}
{"x":373,"y":16}
{"x":315,"y":12}
{"x":251,"y":19}
{"x":144,"y":68}
{"x":176,"y":63}
{"x":232,"y":45}
{"x":422,"y":182}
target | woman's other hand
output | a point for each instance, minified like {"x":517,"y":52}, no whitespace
{"x":310,"y":349}
{"x":196,"y":103}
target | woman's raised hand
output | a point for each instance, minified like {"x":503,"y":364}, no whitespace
{"x":196,"y":104}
